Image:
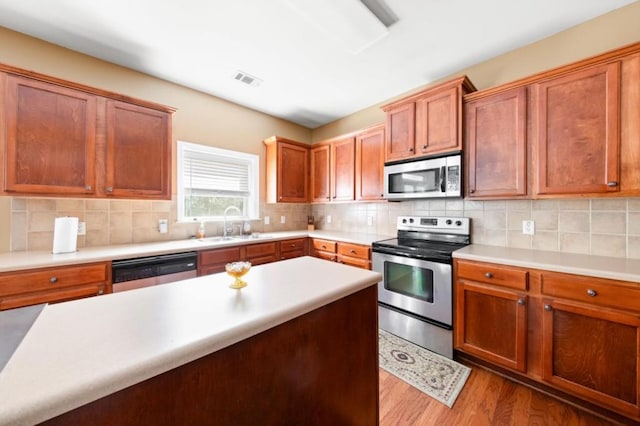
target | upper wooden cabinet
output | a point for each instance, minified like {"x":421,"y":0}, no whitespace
{"x":320,"y":173}
{"x":496,"y":145}
{"x":333,"y":170}
{"x":50,"y":138}
{"x":343,"y":162}
{"x":370,"y":164}
{"x":349,"y":167}
{"x":578,"y":123}
{"x":426,"y":123}
{"x":138,"y":151}
{"x":66,"y":139}
{"x":287,"y":165}
{"x":569,"y":131}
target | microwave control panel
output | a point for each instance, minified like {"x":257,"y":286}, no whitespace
{"x":453,"y":179}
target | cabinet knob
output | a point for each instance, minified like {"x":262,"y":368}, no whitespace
{"x":592,"y":293}
{"x":424,"y":147}
{"x":53,"y":280}
{"x":612,"y":183}
{"x":410,"y":149}
{"x":109,"y":189}
{"x":488,"y":275}
{"x":520,"y":301}
{"x":472,"y":191}
{"x":100,"y":292}
{"x":280,"y":198}
{"x":352,"y":251}
{"x":323,"y":246}
{"x":88,"y":188}
{"x":547,"y":307}
{"x":293,"y":245}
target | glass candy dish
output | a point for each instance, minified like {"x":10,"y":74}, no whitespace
{"x":238,"y":270}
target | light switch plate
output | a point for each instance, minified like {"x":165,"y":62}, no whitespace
{"x":283,"y":219}
{"x":328,"y":218}
{"x":82,"y":228}
{"x":267,"y":220}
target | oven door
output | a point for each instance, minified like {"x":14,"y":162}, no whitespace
{"x":416,"y":286}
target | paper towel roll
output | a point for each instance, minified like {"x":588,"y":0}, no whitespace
{"x":65,"y":235}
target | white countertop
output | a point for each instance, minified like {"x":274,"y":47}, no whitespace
{"x":583,"y":264}
{"x":79,"y":351}
{"x":16,"y":261}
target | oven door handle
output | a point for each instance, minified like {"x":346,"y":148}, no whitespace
{"x":443,"y":186}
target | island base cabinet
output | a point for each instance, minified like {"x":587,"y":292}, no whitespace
{"x":592,"y":353}
{"x":491,"y":323}
{"x":318,"y":369}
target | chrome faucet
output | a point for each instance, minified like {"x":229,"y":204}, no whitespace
{"x":224,"y":229}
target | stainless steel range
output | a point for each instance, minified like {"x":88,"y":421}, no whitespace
{"x":415,"y":297}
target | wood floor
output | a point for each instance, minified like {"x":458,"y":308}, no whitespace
{"x":486,"y":399}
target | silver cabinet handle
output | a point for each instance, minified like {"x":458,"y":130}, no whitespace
{"x":53,"y":280}
{"x":488,"y":275}
{"x":88,"y":188}
{"x":612,"y":183}
{"x":109,"y":188}
{"x":100,"y":292}
{"x":592,"y":293}
{"x":547,"y":307}
{"x":520,"y":301}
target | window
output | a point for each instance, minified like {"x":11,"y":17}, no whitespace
{"x":212,"y":179}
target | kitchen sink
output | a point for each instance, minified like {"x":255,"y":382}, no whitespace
{"x":254,"y":236}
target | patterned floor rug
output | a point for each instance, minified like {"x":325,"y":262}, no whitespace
{"x":435,"y":375}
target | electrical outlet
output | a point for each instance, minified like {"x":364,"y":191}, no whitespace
{"x":283,"y":219}
{"x":82,"y":228}
{"x":267,"y":220}
{"x":328,"y":218}
{"x":528,"y":227}
{"x":370,"y":220}
{"x":163,"y":226}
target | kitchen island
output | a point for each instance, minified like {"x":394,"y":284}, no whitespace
{"x":297,"y":345}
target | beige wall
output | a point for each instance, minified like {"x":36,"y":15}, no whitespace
{"x":607,"y":32}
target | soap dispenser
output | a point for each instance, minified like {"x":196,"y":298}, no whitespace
{"x":201,"y":231}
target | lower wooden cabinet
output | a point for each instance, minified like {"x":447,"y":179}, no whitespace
{"x":261,"y":253}
{"x":355,"y":255}
{"x":577,"y":334}
{"x":358,"y":255}
{"x":324,"y":249}
{"x":213,"y":261}
{"x":293,"y":248}
{"x":51,"y":285}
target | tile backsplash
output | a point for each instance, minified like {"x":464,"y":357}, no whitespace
{"x":609,"y":227}
{"x":111,"y":222}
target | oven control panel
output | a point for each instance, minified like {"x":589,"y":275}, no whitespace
{"x":453,"y":225}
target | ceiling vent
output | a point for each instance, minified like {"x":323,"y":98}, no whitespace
{"x":249,"y":79}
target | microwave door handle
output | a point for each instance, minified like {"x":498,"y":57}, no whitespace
{"x":443,"y":185}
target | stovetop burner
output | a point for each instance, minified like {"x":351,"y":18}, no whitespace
{"x":427,"y":238}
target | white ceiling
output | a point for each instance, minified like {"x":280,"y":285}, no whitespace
{"x":310,"y":76}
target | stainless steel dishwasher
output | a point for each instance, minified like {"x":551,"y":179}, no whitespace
{"x":128,"y":274}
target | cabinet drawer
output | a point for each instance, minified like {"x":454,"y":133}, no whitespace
{"x":325,"y":255}
{"x":53,"y":296}
{"x":216,"y":258}
{"x":53,"y":278}
{"x":292,"y":245}
{"x":598,"y":291}
{"x":493,"y":274}
{"x":354,"y":250}
{"x":324,"y":245}
{"x":355,"y":261}
{"x":262,"y":249}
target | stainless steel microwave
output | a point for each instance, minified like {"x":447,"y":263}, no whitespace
{"x":424,"y":178}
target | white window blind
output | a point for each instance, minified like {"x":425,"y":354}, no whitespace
{"x":212,"y":179}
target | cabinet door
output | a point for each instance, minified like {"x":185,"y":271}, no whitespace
{"x":400,"y":132}
{"x":491,"y":323}
{"x":293,"y":173}
{"x":437,"y":123}
{"x":578,"y":132}
{"x":496,"y":145}
{"x":370,"y":165}
{"x":50,"y":138}
{"x":320,"y":188}
{"x":343,"y":162}
{"x":138,"y":151}
{"x":593,"y":353}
